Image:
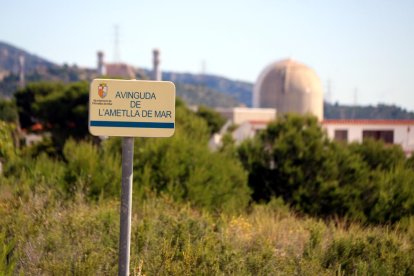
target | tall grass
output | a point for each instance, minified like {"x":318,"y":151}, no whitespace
{"x":43,"y":235}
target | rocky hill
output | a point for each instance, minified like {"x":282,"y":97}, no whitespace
{"x":9,"y":60}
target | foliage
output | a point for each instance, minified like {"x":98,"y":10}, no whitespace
{"x":378,"y":155}
{"x":47,"y":234}
{"x":184,"y":167}
{"x":7,"y":262}
{"x":279,"y":160}
{"x":214,"y":120}
{"x":61,"y":217}
{"x":371,"y":253}
{"x":237,"y":91}
{"x":8,"y":111}
{"x":27,"y":97}
{"x":394,"y":195}
{"x":7,"y":149}
{"x":62,"y":109}
{"x":45,"y":146}
{"x":380,"y":111}
{"x":203,"y":95}
{"x":92,"y":169}
{"x":294,"y":159}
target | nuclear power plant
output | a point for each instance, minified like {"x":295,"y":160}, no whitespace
{"x":289,"y":87}
{"x":285,"y":86}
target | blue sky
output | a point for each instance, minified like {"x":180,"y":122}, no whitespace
{"x":364,"y":47}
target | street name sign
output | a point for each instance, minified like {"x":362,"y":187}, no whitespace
{"x":131,"y":108}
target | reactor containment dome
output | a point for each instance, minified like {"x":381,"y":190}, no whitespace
{"x":290,"y":87}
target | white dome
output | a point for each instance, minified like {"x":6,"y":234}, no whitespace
{"x":289,"y":86}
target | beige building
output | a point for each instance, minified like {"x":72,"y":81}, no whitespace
{"x":289,"y":86}
{"x":247,"y":122}
{"x":239,"y":115}
{"x":117,"y":70}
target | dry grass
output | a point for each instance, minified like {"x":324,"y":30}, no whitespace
{"x":78,"y":237}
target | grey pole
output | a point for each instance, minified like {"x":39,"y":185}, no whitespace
{"x":126,"y":204}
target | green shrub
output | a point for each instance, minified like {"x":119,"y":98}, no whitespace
{"x":93,"y":169}
{"x":394,"y":196}
{"x":293,"y":159}
{"x":214,"y":120}
{"x":7,"y":149}
{"x":189,"y":171}
{"x":7,"y":259}
{"x":183,"y":167}
{"x":370,"y":254}
{"x":378,"y":155}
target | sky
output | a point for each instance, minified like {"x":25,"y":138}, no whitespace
{"x":362,"y":49}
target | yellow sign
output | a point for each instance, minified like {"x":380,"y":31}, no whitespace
{"x":131,"y":108}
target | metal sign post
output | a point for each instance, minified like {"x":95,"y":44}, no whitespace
{"x":126,"y":205}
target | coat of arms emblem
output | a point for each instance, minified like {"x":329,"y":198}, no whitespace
{"x":102,"y":90}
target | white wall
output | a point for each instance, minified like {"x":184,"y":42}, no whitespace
{"x":403,"y":132}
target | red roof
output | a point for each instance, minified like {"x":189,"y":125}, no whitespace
{"x":36,"y":127}
{"x":367,"y":122}
{"x":259,"y":122}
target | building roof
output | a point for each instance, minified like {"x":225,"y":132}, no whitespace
{"x":120,"y":70}
{"x":367,"y":122}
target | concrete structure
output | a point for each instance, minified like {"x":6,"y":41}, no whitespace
{"x":118,"y":70}
{"x":22,"y":82}
{"x":400,"y":132}
{"x":239,"y":115}
{"x":248,"y":122}
{"x":101,"y":66}
{"x":289,"y":86}
{"x":156,"y":71}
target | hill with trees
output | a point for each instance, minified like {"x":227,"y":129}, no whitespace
{"x":380,"y":111}
{"x":239,"y":90}
{"x":195,"y":89}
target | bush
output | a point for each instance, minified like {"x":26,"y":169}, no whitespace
{"x":188,"y":171}
{"x":378,"y":155}
{"x":214,"y":120}
{"x":95,"y":170}
{"x":7,"y":148}
{"x":294,"y":159}
{"x":369,"y":254}
{"x":184,"y":167}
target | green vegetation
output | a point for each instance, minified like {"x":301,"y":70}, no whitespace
{"x":41,"y":233}
{"x":214,"y":120}
{"x":202,"y":95}
{"x":380,"y":111}
{"x":289,"y":201}
{"x":8,"y":111}
{"x":293,"y":159}
{"x":60,"y":108}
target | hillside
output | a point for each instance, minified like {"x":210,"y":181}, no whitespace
{"x":381,"y":111}
{"x":36,"y":69}
{"x":195,"y":89}
{"x":240,"y":90}
{"x":201,"y":95}
{"x":9,"y":59}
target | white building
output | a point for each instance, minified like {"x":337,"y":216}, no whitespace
{"x":239,"y":115}
{"x":247,"y":122}
{"x":400,"y":132}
